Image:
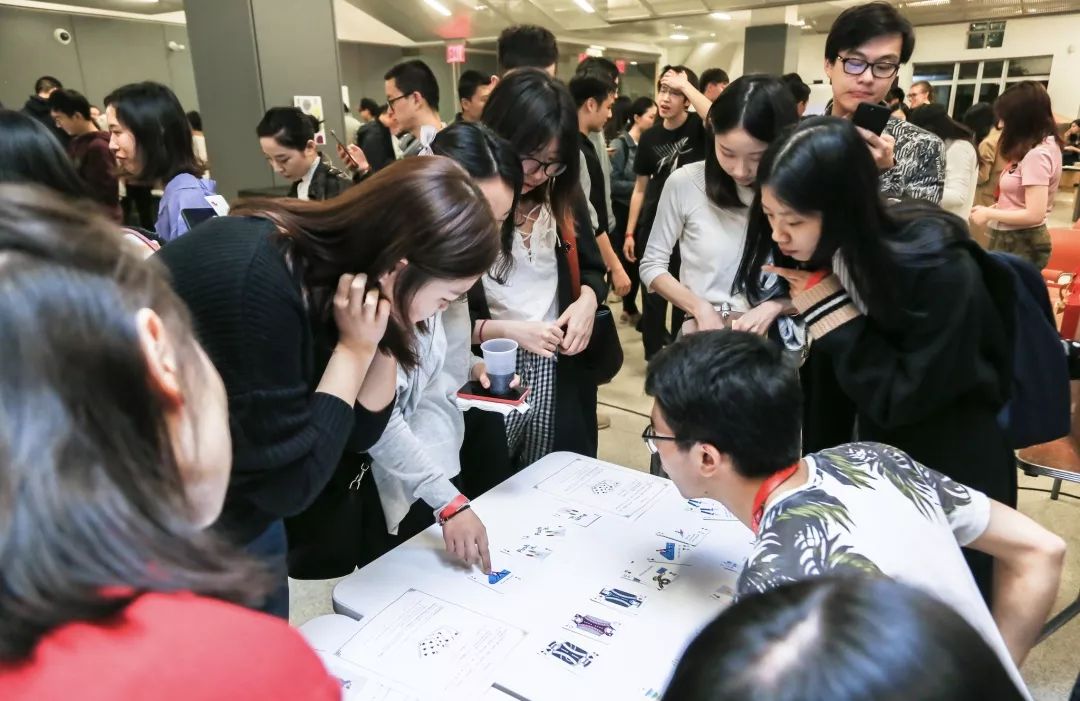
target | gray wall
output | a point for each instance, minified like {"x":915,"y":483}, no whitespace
{"x":363,"y":67}
{"x":772,"y":49}
{"x":104,"y":54}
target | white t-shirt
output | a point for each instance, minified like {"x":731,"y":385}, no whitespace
{"x":532,"y":291}
{"x":961,"y":177}
{"x":711,"y":239}
{"x":305,"y":182}
{"x":868,"y":508}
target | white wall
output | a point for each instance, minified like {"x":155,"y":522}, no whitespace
{"x":1027,"y":36}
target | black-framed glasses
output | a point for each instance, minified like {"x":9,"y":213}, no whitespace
{"x":532,"y":166}
{"x":879,"y":69}
{"x":390,"y":102}
{"x":650,"y":436}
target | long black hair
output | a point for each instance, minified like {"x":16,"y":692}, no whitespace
{"x":154,"y":116}
{"x":823,"y":166}
{"x":980,"y":119}
{"x":934,"y":118}
{"x":841,"y":639}
{"x":759,"y":104}
{"x":620,"y":117}
{"x":95,"y":509}
{"x":530,"y":109}
{"x":31,"y":155}
{"x":484,"y":154}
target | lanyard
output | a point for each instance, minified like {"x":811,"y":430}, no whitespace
{"x":765,"y":491}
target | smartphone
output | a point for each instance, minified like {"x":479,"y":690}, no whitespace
{"x":475,"y":390}
{"x":871,"y":117}
{"x":345,"y":150}
{"x":196,"y":216}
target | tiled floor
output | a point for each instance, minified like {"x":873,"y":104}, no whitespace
{"x":1051,"y":668}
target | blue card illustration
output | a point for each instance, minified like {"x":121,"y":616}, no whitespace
{"x":499,"y":580}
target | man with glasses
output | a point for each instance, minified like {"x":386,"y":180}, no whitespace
{"x":863,"y":53}
{"x":921,"y":93}
{"x":412,"y":99}
{"x":726,"y":424}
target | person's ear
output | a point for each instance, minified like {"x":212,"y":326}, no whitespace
{"x":311,"y":146}
{"x":710,"y":460}
{"x":162,"y":368}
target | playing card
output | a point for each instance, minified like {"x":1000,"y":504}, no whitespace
{"x":549,"y":532}
{"x":593,"y":624}
{"x":578,"y":517}
{"x":568,"y":655}
{"x":529,"y":551}
{"x":501,"y":580}
{"x":650,"y":574}
{"x":620,"y":600}
{"x":670,"y":553}
{"x":684,"y":534}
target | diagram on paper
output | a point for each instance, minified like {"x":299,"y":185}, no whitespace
{"x":437,"y":641}
{"x":612,"y":490}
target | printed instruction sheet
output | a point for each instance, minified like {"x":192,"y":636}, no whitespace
{"x":615,"y":491}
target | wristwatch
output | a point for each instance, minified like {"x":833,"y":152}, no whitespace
{"x":460,"y":503}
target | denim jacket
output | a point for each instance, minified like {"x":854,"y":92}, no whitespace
{"x":622,"y":168}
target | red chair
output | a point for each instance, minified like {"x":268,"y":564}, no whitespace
{"x":1064,"y":256}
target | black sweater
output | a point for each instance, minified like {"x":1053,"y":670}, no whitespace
{"x":250,"y":317}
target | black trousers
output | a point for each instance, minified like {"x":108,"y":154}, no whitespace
{"x":618,"y":238}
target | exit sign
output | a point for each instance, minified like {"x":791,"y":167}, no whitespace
{"x":455,"y":53}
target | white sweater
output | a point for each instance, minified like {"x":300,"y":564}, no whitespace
{"x":710,"y":238}
{"x":961,"y":177}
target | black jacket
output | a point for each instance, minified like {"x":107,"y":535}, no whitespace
{"x":38,"y":108}
{"x":326,"y":183}
{"x":374,"y":140}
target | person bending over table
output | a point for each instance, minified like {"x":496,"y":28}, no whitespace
{"x":726,"y":424}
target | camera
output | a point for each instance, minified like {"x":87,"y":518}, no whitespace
{"x":62,"y":35}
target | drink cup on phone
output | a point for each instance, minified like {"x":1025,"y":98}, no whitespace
{"x":500,"y":357}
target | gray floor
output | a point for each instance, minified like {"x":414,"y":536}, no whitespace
{"x":1051,"y":668}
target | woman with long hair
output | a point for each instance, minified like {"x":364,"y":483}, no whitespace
{"x":287,"y":139}
{"x":1031,"y":145}
{"x":548,"y":300}
{"x":308,"y":311}
{"x":151,"y":140}
{"x":704,"y":207}
{"x":904,"y":310}
{"x":961,"y":159}
{"x":31,"y":155}
{"x":414,"y":464}
{"x":115,"y":457}
{"x":637,"y":118}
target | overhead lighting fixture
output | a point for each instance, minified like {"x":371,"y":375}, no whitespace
{"x":926,"y":3}
{"x":679,"y":37}
{"x":633,"y":63}
{"x":722,"y":16}
{"x":799,"y":23}
{"x":585,"y":6}
{"x":439,"y":7}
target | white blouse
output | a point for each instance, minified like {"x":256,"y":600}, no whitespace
{"x":531,"y":292}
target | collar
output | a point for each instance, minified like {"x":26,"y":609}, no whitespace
{"x":766,"y":490}
{"x":310,"y":175}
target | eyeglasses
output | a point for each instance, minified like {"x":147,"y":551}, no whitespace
{"x":650,"y":437}
{"x":880,"y":69}
{"x":665,"y":90}
{"x":532,"y":166}
{"x":391,"y":101}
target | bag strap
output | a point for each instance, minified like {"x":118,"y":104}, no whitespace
{"x":570,"y":248}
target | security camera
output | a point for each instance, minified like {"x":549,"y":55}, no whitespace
{"x":62,"y":35}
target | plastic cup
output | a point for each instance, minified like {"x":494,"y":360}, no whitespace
{"x":500,"y":357}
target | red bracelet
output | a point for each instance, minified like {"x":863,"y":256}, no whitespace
{"x":459,"y":503}
{"x":480,"y":334}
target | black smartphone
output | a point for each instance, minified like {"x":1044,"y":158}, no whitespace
{"x":871,"y":117}
{"x":475,"y":390}
{"x":345,"y":150}
{"x":196,"y":216}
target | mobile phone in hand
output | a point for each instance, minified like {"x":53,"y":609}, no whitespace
{"x":870,"y":117}
{"x":344,"y":150}
{"x":474,"y":390}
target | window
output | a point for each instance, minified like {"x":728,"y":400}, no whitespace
{"x":959,"y":85}
{"x":982,"y":35}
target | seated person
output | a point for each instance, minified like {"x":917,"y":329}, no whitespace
{"x":726,"y":424}
{"x":840,"y":639}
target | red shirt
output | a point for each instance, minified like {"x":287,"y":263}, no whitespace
{"x":173,"y":647}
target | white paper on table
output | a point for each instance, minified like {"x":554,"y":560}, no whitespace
{"x":613,"y":490}
{"x":361,"y":685}
{"x":432,"y":647}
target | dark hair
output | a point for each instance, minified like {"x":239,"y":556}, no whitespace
{"x":46,"y":82}
{"x":713,"y":76}
{"x":841,"y":639}
{"x":529,"y":109}
{"x":734,"y":391}
{"x":70,"y":103}
{"x":859,"y":24}
{"x":195,"y":120}
{"x":470,"y":81}
{"x":415,"y":77}
{"x":370,"y":105}
{"x":934,"y":118}
{"x":690,"y":75}
{"x":484,"y":154}
{"x":598,"y":67}
{"x":980,"y":119}
{"x":800,"y":91}
{"x":31,"y":155}
{"x":161,"y":130}
{"x":427,"y":211}
{"x":526,"y":46}
{"x":95,"y":510}
{"x":895,"y":93}
{"x":1026,"y":117}
{"x":761,"y":105}
{"x":290,"y":127}
{"x":586,"y":87}
{"x":823,"y":166}
{"x":620,"y":116}
{"x":927,"y":88}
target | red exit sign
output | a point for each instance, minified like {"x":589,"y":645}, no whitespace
{"x":455,"y":53}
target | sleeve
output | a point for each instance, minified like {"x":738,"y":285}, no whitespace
{"x":961,"y":168}
{"x":897,"y":380}
{"x":585,"y":183}
{"x":1037,"y":167}
{"x":967,"y":510}
{"x":920,"y":157}
{"x":645,"y":161}
{"x":593,"y":270}
{"x":666,"y":229}
{"x":987,"y":156}
{"x":621,"y":185}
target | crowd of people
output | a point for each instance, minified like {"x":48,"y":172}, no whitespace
{"x":194,"y":412}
